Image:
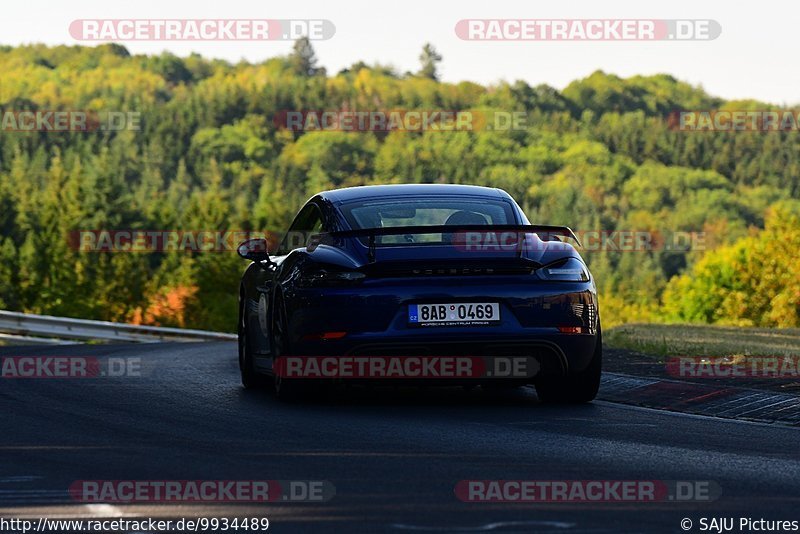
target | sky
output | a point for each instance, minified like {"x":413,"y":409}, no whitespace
{"x":755,"y":55}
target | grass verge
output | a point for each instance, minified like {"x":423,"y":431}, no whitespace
{"x":664,"y":340}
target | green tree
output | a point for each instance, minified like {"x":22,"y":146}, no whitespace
{"x":429,"y":62}
{"x":303,"y":59}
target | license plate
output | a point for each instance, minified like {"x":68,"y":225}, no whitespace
{"x":454,"y":314}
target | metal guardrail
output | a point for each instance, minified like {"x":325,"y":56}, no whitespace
{"x":25,"y":326}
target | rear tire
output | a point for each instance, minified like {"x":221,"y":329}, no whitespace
{"x":286,"y":389}
{"x":576,"y":387}
{"x":251,"y":379}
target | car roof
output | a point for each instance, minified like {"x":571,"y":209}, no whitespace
{"x":363,"y":192}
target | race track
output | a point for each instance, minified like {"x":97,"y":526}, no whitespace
{"x":393,"y":456}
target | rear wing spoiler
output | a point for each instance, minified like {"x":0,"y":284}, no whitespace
{"x":372,"y":233}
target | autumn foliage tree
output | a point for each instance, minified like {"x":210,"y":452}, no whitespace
{"x":211,"y":154}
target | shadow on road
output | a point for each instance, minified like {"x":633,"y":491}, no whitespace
{"x":404,"y":396}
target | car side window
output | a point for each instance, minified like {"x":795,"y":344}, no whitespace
{"x":307,"y":223}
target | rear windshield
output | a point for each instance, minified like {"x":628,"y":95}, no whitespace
{"x":392,"y":212}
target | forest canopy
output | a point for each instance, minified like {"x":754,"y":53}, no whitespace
{"x":209,"y":154}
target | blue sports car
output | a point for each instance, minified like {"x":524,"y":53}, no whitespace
{"x":428,"y":283}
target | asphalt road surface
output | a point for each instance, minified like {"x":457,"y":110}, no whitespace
{"x":394,"y":456}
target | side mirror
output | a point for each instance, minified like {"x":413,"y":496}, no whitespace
{"x":256,"y":250}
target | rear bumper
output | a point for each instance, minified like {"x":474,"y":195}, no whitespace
{"x":374,"y":320}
